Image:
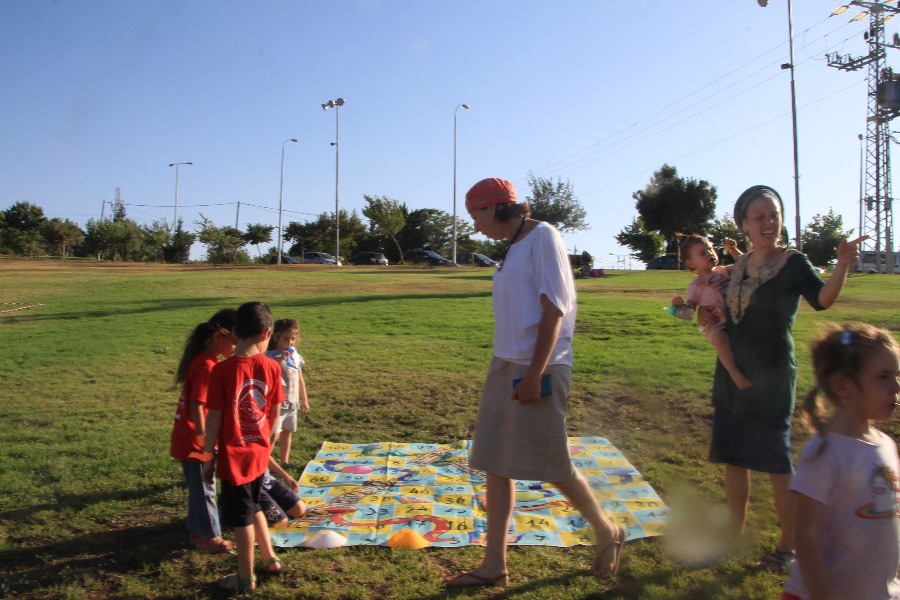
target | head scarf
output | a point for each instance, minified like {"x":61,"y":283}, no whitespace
{"x":754,"y":193}
{"x":490,"y":191}
{"x":750,"y":194}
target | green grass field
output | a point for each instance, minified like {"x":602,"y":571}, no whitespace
{"x":91,"y":506}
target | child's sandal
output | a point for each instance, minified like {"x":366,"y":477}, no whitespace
{"x":268,"y":564}
{"x":235,"y":583}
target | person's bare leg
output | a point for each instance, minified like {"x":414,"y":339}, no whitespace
{"x":500,"y":494}
{"x":737,"y":494}
{"x":719,"y":340}
{"x":784,"y":508}
{"x":284,"y":446}
{"x":264,"y":541}
{"x":244,"y":538}
{"x":579,"y":493}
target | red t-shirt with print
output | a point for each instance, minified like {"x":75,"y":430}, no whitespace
{"x":245,"y":389}
{"x":194,"y":388}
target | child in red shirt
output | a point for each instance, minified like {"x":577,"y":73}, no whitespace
{"x":245,"y":392}
{"x":206,"y":343}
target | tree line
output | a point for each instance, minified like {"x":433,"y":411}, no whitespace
{"x":389,"y":227}
{"x":671,"y":206}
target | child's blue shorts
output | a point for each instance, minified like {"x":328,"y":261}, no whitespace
{"x":276,"y":501}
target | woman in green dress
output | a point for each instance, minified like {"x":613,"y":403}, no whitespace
{"x":751,"y":427}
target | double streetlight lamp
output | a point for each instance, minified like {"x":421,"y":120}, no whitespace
{"x":455,"y":111}
{"x":175,"y":216}
{"x":790,"y":66}
{"x":336,"y":105}
{"x":281,"y":198}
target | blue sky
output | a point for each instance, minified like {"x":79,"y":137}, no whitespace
{"x":106,"y":94}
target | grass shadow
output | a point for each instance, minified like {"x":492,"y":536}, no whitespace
{"x":382,"y":298}
{"x":32,"y":571}
{"x":82,"y":502}
{"x":137,"y":307}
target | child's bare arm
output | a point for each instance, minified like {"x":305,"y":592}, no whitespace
{"x":679,"y":301}
{"x":274,"y":467}
{"x":213,"y":425}
{"x":304,"y":401}
{"x":198,"y":417}
{"x":810,"y":515}
{"x":731,"y":248}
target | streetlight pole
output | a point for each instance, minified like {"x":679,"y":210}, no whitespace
{"x":790,"y":66}
{"x":336,"y":104}
{"x":281,"y":198}
{"x":175,"y":216}
{"x":455,"y":111}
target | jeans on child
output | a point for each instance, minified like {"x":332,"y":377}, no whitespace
{"x":203,"y":514}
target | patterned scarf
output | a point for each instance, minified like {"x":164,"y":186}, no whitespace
{"x":741,"y":288}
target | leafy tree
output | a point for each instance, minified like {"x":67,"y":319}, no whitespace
{"x":257,"y":234}
{"x":387,"y":218}
{"x":673,"y":205}
{"x":822,"y":236}
{"x":719,"y":229}
{"x":428,"y":228}
{"x":645,"y":245}
{"x":128,"y":240}
{"x":318,"y":235}
{"x":296,"y":233}
{"x":157,"y":236}
{"x":490,"y":248}
{"x":223,"y":244}
{"x":28,"y":242}
{"x":556,"y":204}
{"x":100,"y":238}
{"x":22,"y":228}
{"x":61,"y":235}
{"x":179,"y":250}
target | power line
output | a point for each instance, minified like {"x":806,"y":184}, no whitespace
{"x":725,"y":139}
{"x":567,"y":164}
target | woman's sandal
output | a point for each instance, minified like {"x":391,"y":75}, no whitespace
{"x":470,"y":579}
{"x":614,"y":545}
{"x":235,"y":583}
{"x":778,"y":561}
{"x":268,"y":564}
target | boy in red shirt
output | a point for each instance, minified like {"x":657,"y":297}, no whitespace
{"x":244,"y":394}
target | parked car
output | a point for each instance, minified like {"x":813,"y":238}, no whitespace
{"x":320,"y":258}
{"x":420,"y":256}
{"x":473,"y":258}
{"x":285,"y":260}
{"x":667,"y":261}
{"x":369,"y":258}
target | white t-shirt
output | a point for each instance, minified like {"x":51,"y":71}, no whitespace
{"x":537,"y":264}
{"x":860,"y":537}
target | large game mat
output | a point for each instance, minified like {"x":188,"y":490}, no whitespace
{"x":417,"y":495}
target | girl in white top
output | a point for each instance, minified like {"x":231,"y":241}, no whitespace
{"x":520,"y":432}
{"x":845,"y":486}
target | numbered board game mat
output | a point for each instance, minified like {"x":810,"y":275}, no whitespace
{"x":413,"y":495}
